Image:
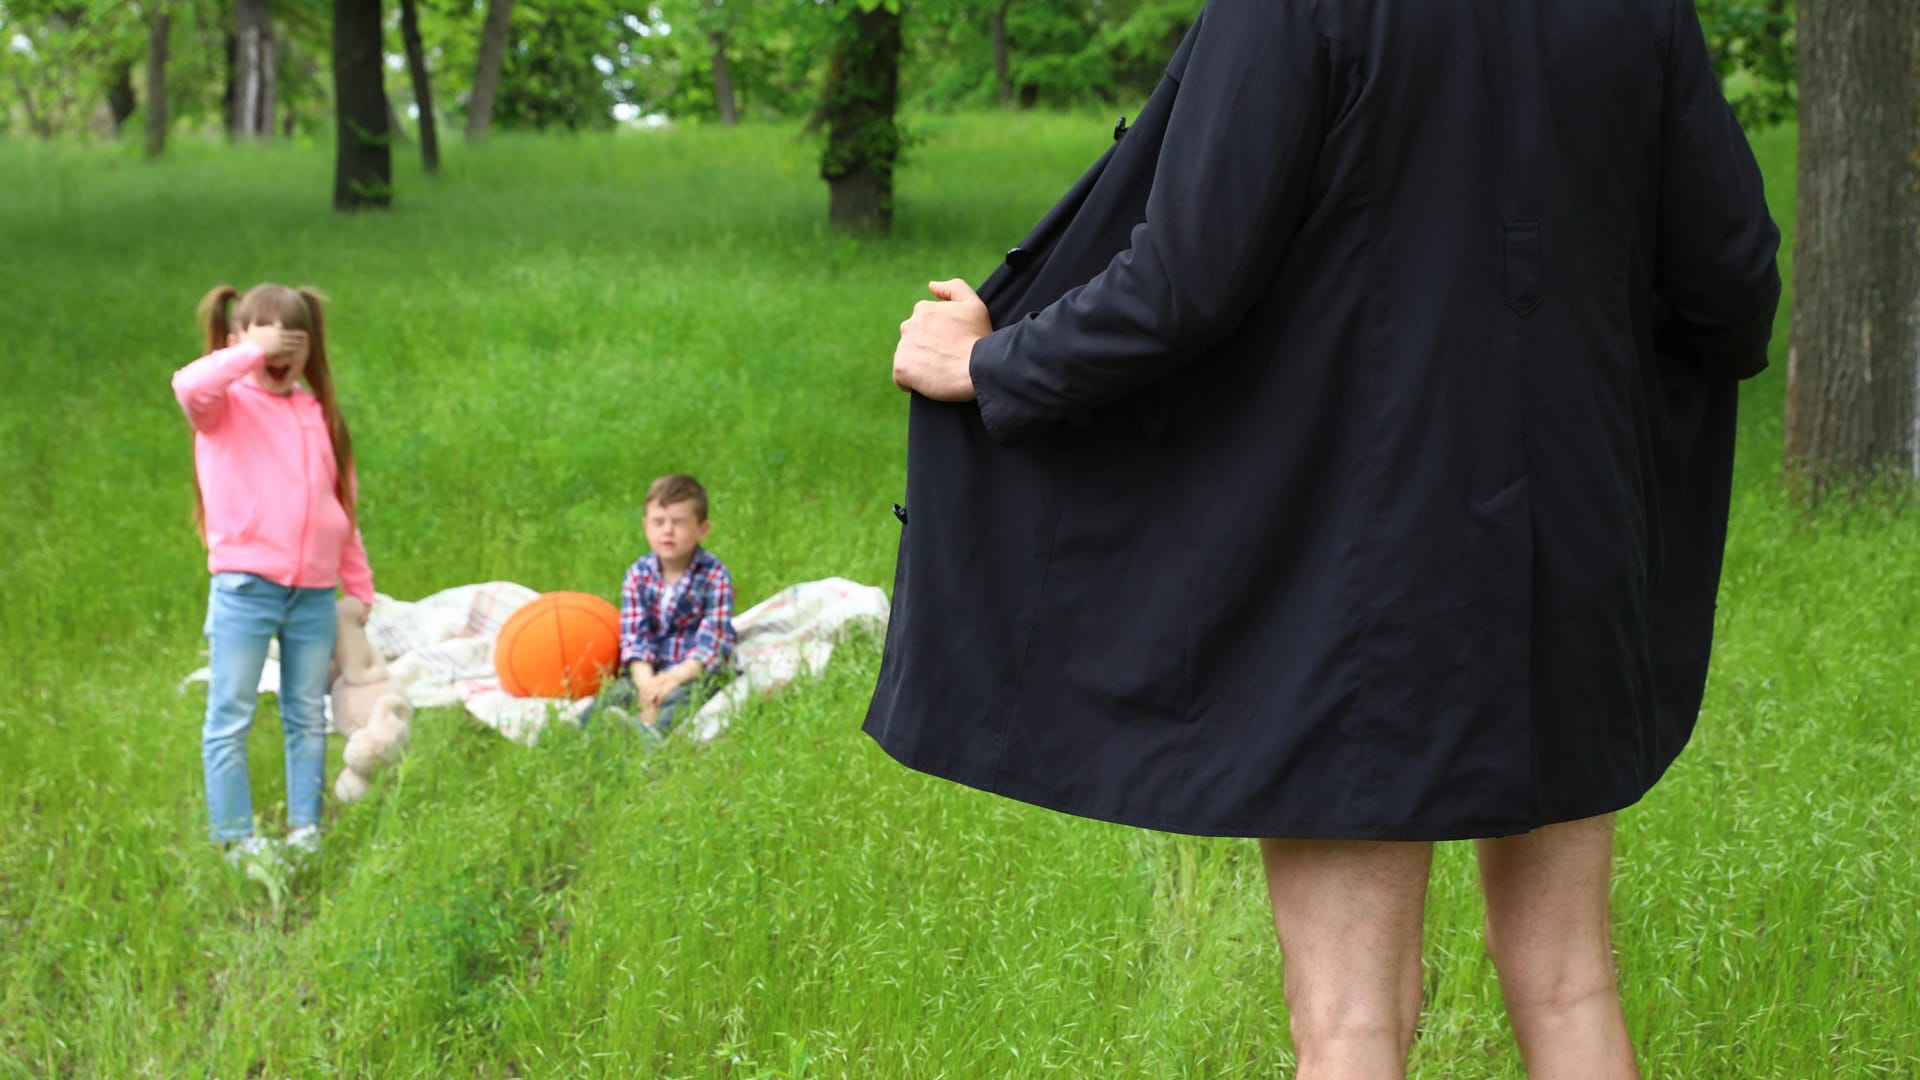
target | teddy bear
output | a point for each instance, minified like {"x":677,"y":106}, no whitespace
{"x":368,"y":707}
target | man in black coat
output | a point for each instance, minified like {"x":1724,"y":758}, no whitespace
{"x":1344,"y":460}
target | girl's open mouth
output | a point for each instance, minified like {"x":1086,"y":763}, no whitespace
{"x":278,"y":372}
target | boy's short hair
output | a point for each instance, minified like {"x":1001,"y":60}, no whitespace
{"x":678,"y":488}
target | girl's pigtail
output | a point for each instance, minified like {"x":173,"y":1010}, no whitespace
{"x":215,"y":318}
{"x":320,"y":381}
{"x":215,"y":321}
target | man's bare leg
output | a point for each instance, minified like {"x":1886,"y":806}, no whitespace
{"x":1550,"y":937}
{"x":1349,"y":917}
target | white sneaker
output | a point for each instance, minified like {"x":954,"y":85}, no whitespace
{"x":304,"y":841}
{"x":254,"y":849}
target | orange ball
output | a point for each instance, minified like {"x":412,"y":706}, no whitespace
{"x":560,"y":645}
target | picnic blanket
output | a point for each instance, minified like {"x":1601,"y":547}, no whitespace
{"x":439,"y":649}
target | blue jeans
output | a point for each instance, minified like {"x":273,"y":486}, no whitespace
{"x":244,"y":613}
{"x":685,"y":699}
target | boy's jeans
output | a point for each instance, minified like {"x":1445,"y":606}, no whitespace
{"x":685,"y":699}
{"x":244,"y":613}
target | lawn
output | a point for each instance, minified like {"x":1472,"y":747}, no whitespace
{"x":521,"y":345}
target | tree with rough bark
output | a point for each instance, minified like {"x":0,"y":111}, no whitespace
{"x":1002,"y":67}
{"x":486,"y":71}
{"x":363,"y":158}
{"x":863,"y":138}
{"x":159,"y":38}
{"x":422,"y":85}
{"x":1754,"y":40}
{"x":723,"y":80}
{"x":1853,"y":372}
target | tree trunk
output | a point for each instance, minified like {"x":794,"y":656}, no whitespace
{"x":863,"y":86}
{"x":422,"y":88}
{"x":230,"y":90}
{"x":363,"y":162}
{"x":1002,"y":69}
{"x":36,"y":122}
{"x":158,"y":37}
{"x":120,"y":97}
{"x":1853,"y":373}
{"x":270,"y":87}
{"x":396,"y":131}
{"x":723,"y":80}
{"x":253,"y":74}
{"x":486,"y":73}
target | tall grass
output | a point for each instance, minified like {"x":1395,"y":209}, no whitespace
{"x":521,"y":346}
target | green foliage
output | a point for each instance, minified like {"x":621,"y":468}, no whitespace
{"x":571,"y":63}
{"x":1752,"y":42}
{"x":53,"y":81}
{"x":56,"y":57}
{"x":776,"y":52}
{"x":786,"y":901}
{"x":1061,"y":52}
{"x":552,"y":76}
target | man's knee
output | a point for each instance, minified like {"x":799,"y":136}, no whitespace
{"x":1332,"y":1033}
{"x":1553,"y":972}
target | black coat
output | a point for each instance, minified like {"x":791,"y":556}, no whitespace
{"x":1352,"y":455}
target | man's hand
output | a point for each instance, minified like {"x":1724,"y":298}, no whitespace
{"x":936,"y":344}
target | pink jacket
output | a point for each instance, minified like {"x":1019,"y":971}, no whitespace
{"x":266,"y":472}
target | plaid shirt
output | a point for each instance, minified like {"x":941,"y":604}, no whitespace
{"x":699,"y":624}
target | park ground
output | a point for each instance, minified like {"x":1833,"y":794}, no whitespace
{"x":522,"y":344}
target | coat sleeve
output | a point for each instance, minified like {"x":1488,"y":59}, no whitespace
{"x":1714,"y":252}
{"x":1230,"y":189}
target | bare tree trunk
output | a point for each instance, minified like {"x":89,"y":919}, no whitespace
{"x":486,"y":72}
{"x":723,"y":80}
{"x":1002,"y":68}
{"x":422,"y":87}
{"x":862,"y":138}
{"x":396,"y":131}
{"x":252,"y":70}
{"x":363,"y":160}
{"x":36,"y":121}
{"x":159,"y":33}
{"x":1853,"y":375}
{"x":230,"y":90}
{"x":270,"y":85}
{"x":121,"y":100}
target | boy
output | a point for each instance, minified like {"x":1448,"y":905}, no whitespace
{"x":676,"y":611}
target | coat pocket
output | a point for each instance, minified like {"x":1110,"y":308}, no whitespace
{"x":1524,"y":271}
{"x":1113,"y":623}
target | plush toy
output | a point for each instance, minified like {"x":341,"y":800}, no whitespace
{"x":368,"y":708}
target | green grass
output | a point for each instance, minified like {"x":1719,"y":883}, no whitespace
{"x":521,"y":346}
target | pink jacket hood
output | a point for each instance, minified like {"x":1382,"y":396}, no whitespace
{"x":267,"y":473}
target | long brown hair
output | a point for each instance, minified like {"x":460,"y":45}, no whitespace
{"x":225,"y":310}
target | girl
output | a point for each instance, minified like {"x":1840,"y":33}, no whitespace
{"x":273,"y":472}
